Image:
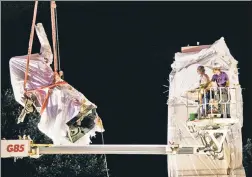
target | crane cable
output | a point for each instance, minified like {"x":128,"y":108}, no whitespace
{"x":105,"y":157}
{"x":53,"y":7}
{"x":57,"y":36}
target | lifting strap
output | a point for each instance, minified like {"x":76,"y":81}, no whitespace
{"x":28,"y":101}
{"x":56,"y":75}
{"x":30,"y":42}
{"x":53,"y":7}
{"x":50,"y":87}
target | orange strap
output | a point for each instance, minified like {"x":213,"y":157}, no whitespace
{"x":53,"y":6}
{"x":45,"y":102}
{"x":30,"y":42}
{"x":48,"y":94}
{"x":49,"y":86}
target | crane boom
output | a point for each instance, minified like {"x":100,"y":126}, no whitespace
{"x":26,"y":148}
{"x":116,"y":149}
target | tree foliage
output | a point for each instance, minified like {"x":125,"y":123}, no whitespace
{"x":47,"y":165}
{"x":247,"y":157}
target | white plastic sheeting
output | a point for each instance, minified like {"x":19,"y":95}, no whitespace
{"x":64,"y":103}
{"x":183,"y":78}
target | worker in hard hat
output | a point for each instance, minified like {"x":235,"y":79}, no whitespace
{"x":220,"y":77}
{"x":222,"y":81}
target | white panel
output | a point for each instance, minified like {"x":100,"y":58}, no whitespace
{"x":14,"y":148}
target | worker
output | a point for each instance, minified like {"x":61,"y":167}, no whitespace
{"x":203,"y":91}
{"x":220,"y":77}
{"x":222,"y":81}
{"x":63,"y":109}
{"x":204,"y":78}
{"x":201,"y":87}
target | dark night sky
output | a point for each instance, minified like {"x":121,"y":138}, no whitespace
{"x":119,"y":54}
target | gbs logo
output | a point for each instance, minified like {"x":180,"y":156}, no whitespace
{"x":15,"y":148}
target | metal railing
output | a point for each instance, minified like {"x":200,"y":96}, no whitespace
{"x":214,"y":101}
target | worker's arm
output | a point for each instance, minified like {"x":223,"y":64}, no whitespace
{"x":195,"y":86}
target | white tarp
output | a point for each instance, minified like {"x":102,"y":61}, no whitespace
{"x":183,"y":78}
{"x":64,"y":103}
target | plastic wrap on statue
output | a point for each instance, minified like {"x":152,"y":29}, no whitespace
{"x":67,"y":116}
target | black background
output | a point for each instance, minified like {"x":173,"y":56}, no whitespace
{"x":119,"y":55}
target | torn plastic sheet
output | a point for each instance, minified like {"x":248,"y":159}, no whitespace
{"x":183,"y":78}
{"x":64,"y":102}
